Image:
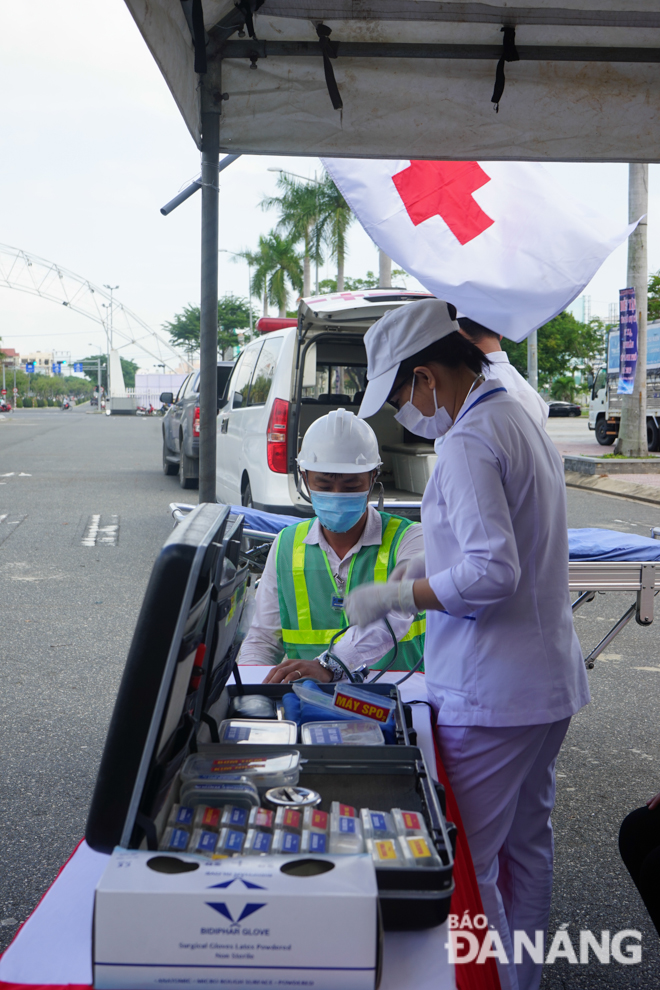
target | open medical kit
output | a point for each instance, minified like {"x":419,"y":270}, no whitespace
{"x":261,"y":816}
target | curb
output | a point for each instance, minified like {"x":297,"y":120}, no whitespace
{"x":611,"y":486}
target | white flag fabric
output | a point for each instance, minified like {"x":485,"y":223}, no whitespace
{"x":502,"y":241}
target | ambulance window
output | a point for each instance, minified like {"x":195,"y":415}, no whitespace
{"x":601,"y":381}
{"x":264,"y":371}
{"x":241,"y":378}
{"x":341,"y":380}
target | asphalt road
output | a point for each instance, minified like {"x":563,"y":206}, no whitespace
{"x":70,"y":592}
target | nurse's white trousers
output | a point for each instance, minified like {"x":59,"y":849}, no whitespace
{"x":504,"y":782}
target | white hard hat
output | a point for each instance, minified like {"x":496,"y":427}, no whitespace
{"x":397,"y":336}
{"x":339,"y":443}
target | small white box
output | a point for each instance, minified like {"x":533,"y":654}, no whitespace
{"x":238,"y":922}
{"x":412,"y":465}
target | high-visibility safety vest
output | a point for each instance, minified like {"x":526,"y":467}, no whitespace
{"x":311,"y":609}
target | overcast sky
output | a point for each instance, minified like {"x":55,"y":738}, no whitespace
{"x":93,"y":146}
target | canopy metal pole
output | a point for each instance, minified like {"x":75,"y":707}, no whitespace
{"x":533,"y":360}
{"x":208,"y":321}
{"x":384,"y":271}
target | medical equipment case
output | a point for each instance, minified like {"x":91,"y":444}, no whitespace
{"x":174,"y":695}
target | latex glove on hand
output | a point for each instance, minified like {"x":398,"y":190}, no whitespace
{"x":371,"y":602}
{"x":412,"y":569}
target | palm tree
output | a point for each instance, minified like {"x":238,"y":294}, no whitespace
{"x":335,"y":218}
{"x":299,"y":213}
{"x":275,"y":262}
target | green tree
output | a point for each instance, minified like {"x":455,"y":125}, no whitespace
{"x":654,"y":297}
{"x":299,"y":219}
{"x":90,"y":370}
{"x":276,"y":263}
{"x":329,"y":285}
{"x":560,"y":342}
{"x":335,"y":217}
{"x":233,"y":315}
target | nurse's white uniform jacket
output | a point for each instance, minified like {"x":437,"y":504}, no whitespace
{"x":505,"y":652}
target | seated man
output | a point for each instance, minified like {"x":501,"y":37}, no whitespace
{"x":314,"y":563}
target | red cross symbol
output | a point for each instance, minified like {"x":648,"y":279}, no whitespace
{"x":429,"y":189}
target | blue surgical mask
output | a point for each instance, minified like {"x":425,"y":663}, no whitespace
{"x":339,"y":511}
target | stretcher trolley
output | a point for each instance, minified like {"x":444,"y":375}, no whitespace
{"x":603,"y":560}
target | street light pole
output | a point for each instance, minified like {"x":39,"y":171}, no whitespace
{"x":109,"y":332}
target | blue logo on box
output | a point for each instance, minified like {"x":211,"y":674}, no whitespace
{"x":234,"y":840}
{"x":226,"y":913}
{"x":347,"y":825}
{"x":378,"y":822}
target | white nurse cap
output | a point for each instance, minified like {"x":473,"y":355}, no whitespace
{"x":396,"y":336}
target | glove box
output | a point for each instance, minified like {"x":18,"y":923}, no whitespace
{"x":174,"y":693}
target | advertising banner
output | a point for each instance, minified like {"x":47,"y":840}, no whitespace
{"x":627,"y":341}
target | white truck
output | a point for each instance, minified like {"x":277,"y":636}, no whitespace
{"x":605,"y":403}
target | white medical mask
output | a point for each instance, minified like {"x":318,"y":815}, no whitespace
{"x":428,"y":427}
{"x":339,"y":511}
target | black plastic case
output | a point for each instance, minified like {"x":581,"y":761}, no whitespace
{"x":181,"y":657}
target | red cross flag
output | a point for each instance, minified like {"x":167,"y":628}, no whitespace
{"x":502,"y":241}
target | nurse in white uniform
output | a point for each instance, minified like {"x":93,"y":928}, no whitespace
{"x":503,"y":664}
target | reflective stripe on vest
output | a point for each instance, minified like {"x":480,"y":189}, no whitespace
{"x":309,"y":566}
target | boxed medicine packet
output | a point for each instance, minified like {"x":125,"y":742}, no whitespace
{"x":180,"y":782}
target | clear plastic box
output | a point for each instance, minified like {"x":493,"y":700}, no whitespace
{"x":263,"y":770}
{"x":181,"y":816}
{"x":289,"y":818}
{"x":207,"y":818}
{"x":262,"y":818}
{"x":286,"y":843}
{"x":217,"y":793}
{"x":314,"y":842}
{"x":234,"y":817}
{"x":258,"y":843}
{"x":353,"y":700}
{"x":174,"y":840}
{"x":346,"y":835}
{"x":409,"y":822}
{"x":231,"y":842}
{"x":258,"y":732}
{"x":203,"y":842}
{"x":347,"y":810}
{"x":385,"y":852}
{"x":377,"y":824}
{"x":362,"y":733}
{"x":316,"y":820}
{"x":418,"y":850}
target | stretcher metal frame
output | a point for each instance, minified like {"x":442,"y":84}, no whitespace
{"x":588,"y":578}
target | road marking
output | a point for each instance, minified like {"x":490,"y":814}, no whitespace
{"x":9,"y":474}
{"x":24,"y":475}
{"x":647,"y":668}
{"x":9,"y":524}
{"x":97,"y":534}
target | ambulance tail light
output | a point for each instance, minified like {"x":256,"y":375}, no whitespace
{"x":195,"y":425}
{"x":276,"y":444}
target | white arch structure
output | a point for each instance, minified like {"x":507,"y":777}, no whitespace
{"x":29,"y":273}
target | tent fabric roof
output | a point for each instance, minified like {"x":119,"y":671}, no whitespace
{"x":416,"y":77}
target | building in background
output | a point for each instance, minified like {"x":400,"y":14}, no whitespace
{"x":42,"y":360}
{"x":11,"y":359}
